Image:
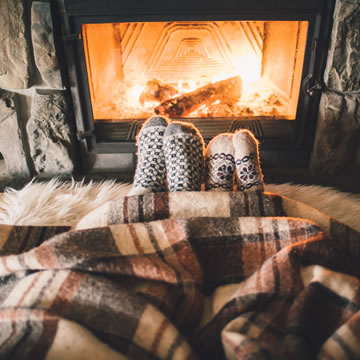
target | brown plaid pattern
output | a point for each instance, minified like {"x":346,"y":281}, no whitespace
{"x":245,"y":284}
{"x":158,"y":206}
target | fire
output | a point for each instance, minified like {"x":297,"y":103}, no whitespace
{"x":135,"y":91}
{"x":257,"y":98}
{"x":249,"y":69}
{"x":188,"y":61}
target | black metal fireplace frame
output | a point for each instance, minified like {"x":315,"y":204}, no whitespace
{"x":111,"y":146}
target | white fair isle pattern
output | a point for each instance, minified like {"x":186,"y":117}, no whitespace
{"x":220,"y":163}
{"x":220,"y":170}
{"x":184,"y":162}
{"x":151,"y":172}
{"x":249,"y":176}
{"x":248,"y":173}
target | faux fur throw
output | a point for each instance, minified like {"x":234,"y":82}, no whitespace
{"x":247,"y":280}
{"x":58,"y":203}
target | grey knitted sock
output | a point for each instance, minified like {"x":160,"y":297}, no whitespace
{"x":247,"y":161}
{"x":150,"y":174}
{"x":183,"y":149}
{"x":220,"y":163}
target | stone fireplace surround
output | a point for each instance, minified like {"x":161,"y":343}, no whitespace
{"x":37,"y":131}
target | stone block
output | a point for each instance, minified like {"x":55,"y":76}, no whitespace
{"x":43,"y":44}
{"x":344,"y":55}
{"x":11,"y":137}
{"x":337,"y":138}
{"x":15,"y":63}
{"x":49,"y":134}
{"x":338,"y":134}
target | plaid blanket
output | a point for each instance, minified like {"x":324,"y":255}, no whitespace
{"x":183,"y":276}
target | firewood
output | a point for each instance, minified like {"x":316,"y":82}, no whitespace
{"x":155,"y":91}
{"x":225,"y":92}
{"x":214,"y":110}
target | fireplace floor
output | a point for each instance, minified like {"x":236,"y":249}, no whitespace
{"x":347,"y":181}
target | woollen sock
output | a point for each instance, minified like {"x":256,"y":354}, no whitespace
{"x":150,"y":173}
{"x":184,"y":151}
{"x":249,"y":175}
{"x":220,"y":163}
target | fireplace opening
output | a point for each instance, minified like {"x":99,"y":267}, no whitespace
{"x":220,"y":65}
{"x":202,"y":69}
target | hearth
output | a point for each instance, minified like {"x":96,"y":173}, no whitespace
{"x":220,"y":65}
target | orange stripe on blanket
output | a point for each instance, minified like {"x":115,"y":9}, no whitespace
{"x":31,"y":286}
{"x":45,"y":255}
{"x":158,"y":336}
{"x":136,"y":239}
{"x":4,"y":263}
{"x":49,"y":330}
{"x":66,"y":293}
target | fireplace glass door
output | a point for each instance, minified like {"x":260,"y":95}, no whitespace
{"x":213,"y":70}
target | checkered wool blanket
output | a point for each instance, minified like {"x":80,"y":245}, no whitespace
{"x":183,"y":276}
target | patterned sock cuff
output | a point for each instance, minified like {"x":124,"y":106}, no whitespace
{"x":150,"y":174}
{"x":183,"y":149}
{"x":220,"y":163}
{"x":247,"y":162}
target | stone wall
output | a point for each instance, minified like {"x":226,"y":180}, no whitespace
{"x":35,"y":119}
{"x":337,"y":142}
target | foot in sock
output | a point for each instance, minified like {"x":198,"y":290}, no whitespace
{"x":247,"y":161}
{"x":183,"y":150}
{"x":220,"y":163}
{"x":150,"y":174}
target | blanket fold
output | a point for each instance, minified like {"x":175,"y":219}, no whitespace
{"x":234,"y":276}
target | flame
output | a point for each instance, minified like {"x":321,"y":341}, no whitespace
{"x":119,"y":80}
{"x":187,"y":86}
{"x":249,"y":69}
{"x":135,"y":91}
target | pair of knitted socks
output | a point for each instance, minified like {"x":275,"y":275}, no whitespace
{"x":173,"y":153}
{"x":168,"y":152}
{"x":228,"y":154}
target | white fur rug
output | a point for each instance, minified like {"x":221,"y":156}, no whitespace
{"x":58,"y":203}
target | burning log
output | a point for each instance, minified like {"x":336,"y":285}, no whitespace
{"x":214,"y":110}
{"x":155,"y":91}
{"x":225,"y":91}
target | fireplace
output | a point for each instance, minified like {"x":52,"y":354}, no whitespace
{"x":220,"y":65}
{"x":46,"y":119}
{"x":217,"y":70}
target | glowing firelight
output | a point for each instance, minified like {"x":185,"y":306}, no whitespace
{"x":249,"y":69}
{"x":131,"y":81}
{"x":185,"y":87}
{"x":135,"y":91}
